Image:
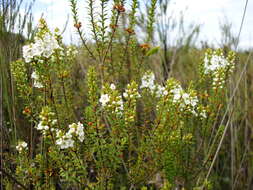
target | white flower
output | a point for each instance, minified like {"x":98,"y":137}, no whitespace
{"x":177,"y":92}
{"x":161,"y":91}
{"x":59,"y":141}
{"x":42,"y":127}
{"x":77,"y":129}
{"x":148,"y":81}
{"x":215,"y":63}
{"x":64,"y":142}
{"x":54,"y":121}
{"x":36,"y":82}
{"x":44,"y":46}
{"x":194,"y":101}
{"x":185,"y":100}
{"x":21,"y":146}
{"x":125,"y":95}
{"x":112,"y":86}
{"x":80,"y":132}
{"x":71,"y":51}
{"x":203,"y":114}
{"x":68,"y":135}
{"x":34,"y":75}
{"x":27,"y":53}
{"x":119,"y":104}
{"x":46,"y":127}
{"x":104,"y":99}
{"x":38,"y":48}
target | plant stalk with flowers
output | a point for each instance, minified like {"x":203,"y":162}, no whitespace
{"x":124,"y":131}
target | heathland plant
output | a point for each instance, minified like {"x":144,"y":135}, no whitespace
{"x":125,"y":134}
{"x":118,"y":127}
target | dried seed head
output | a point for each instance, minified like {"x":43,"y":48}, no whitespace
{"x":113,"y":26}
{"x":144,"y":46}
{"x":78,"y":25}
{"x":119,"y":8}
{"x":130,"y":31}
{"x":27,"y":111}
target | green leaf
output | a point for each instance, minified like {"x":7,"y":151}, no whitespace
{"x":152,"y":51}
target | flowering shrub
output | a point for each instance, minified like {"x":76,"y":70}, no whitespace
{"x":124,"y":137}
{"x":119,"y":128}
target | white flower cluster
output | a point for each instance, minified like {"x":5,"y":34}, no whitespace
{"x":36,"y":82}
{"x":43,"y":46}
{"x":214,"y":63}
{"x":184,"y":99}
{"x":148,"y":81}
{"x":65,"y":141}
{"x":22,"y":145}
{"x":77,"y":130}
{"x":118,"y":104}
{"x":46,"y":124}
{"x":115,"y":102}
{"x":160,"y":91}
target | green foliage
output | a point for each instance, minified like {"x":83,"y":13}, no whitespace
{"x":151,"y":20}
{"x":152,"y":51}
{"x":116,"y":125}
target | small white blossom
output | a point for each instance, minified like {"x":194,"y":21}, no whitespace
{"x":112,"y":86}
{"x":21,"y":146}
{"x":203,"y":114}
{"x":42,"y":127}
{"x":125,"y":95}
{"x":36,"y":82}
{"x":27,"y":53}
{"x":54,"y":121}
{"x":76,"y":129}
{"x":64,"y":142}
{"x":119,"y":105}
{"x":177,"y":93}
{"x":35,"y":75}
{"x":104,"y":99}
{"x":161,"y":91}
{"x":148,"y":81}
